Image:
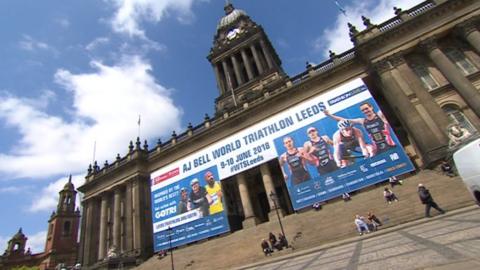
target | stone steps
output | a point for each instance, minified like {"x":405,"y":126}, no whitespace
{"x":333,"y":222}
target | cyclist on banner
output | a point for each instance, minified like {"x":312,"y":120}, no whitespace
{"x":348,"y":144}
{"x":318,"y":148}
{"x":375,"y":124}
{"x":295,"y":157}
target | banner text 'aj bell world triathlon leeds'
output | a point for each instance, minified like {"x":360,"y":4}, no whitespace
{"x":319,"y":157}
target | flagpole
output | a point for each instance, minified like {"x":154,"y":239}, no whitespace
{"x":139,"y":121}
{"x":340,"y":8}
{"x":229,"y":82}
{"x":94,"y":150}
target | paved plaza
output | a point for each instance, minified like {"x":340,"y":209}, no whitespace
{"x":446,"y":242}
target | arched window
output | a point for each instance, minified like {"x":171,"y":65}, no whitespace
{"x":456,"y":116}
{"x":66,"y":228}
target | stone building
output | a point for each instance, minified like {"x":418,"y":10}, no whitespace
{"x":61,"y":246}
{"x":422,"y":67}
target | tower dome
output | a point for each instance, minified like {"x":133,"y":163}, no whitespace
{"x":69,"y":185}
{"x":231,"y":15}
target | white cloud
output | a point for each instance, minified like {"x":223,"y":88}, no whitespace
{"x":336,"y":38}
{"x":131,"y":13}
{"x":63,"y":22}
{"x":15,"y":189}
{"x":36,"y":242}
{"x":30,"y":44}
{"x":97,"y":42}
{"x":106,"y":105}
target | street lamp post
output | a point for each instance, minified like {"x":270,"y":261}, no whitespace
{"x":273,"y":196}
{"x":170,"y":244}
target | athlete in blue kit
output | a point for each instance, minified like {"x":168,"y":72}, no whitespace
{"x":375,"y":124}
{"x":318,"y":150}
{"x":295,"y":157}
{"x":348,"y":141}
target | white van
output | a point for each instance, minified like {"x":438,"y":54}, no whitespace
{"x":467,"y":161}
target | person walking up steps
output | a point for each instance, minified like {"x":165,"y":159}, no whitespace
{"x":426,"y":198}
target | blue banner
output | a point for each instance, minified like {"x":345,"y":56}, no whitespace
{"x":188,"y":210}
{"x":342,"y":152}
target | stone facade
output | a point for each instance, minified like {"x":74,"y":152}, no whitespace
{"x":422,"y":66}
{"x":61,"y":247}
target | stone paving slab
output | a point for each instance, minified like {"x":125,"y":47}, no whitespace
{"x":450,"y":241}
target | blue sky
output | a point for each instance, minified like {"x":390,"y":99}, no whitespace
{"x":78,"y":73}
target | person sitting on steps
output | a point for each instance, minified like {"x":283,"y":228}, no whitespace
{"x":389,"y":195}
{"x":266,"y":248}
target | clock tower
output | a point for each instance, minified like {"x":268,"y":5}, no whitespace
{"x":244,"y":61}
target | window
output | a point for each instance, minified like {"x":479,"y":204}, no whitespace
{"x":462,"y":62}
{"x":66,"y":228}
{"x":457,"y":117}
{"x":427,"y":79}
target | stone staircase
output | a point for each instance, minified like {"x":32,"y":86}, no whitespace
{"x":312,"y":228}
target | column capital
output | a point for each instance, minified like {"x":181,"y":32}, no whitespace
{"x":467,"y":27}
{"x":382,"y":66}
{"x":428,"y":44}
{"x":396,"y":59}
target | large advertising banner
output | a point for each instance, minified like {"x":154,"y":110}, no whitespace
{"x":333,"y":143}
{"x":189,"y":210}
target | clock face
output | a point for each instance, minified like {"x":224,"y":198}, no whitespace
{"x":233,"y":33}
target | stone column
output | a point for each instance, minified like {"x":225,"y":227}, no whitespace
{"x":257,"y":59}
{"x":269,"y":188}
{"x":464,"y":87}
{"x":470,"y":32}
{"x":265,"y":51}
{"x":236,"y":69}
{"x":246,"y":203}
{"x":247,"y":64}
{"x":117,"y":199}
{"x":136,"y":211}
{"x":425,"y":98}
{"x":128,"y":217}
{"x":87,"y":232}
{"x":408,"y":114}
{"x":228,"y":78}
{"x":102,"y":242}
{"x":220,"y":84}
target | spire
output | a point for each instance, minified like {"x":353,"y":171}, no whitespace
{"x":228,"y":7}
{"x":70,"y":179}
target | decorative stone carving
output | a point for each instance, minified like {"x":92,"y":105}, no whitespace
{"x":382,"y":66}
{"x":366,"y":22}
{"x":112,"y":252}
{"x":428,"y":44}
{"x":457,"y":135}
{"x":466,"y":27}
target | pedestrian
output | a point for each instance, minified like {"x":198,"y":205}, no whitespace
{"x":273,"y":241}
{"x":427,"y":199}
{"x":346,"y":197}
{"x":361,"y":224}
{"x":282,"y":240}
{"x":394,"y":181}
{"x":447,"y":169}
{"x":266,"y":248}
{"x":389,"y":195}
{"x":372,"y":219}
